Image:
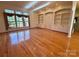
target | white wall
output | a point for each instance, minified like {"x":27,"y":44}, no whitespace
{"x":2,"y":24}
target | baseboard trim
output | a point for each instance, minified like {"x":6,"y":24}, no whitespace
{"x":52,"y":30}
{"x":31,"y":28}
{"x":16,"y":30}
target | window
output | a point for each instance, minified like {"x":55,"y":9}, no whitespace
{"x":25,"y":13}
{"x":26,"y":21}
{"x":19,"y":12}
{"x":16,"y":19}
{"x":11,"y":21}
{"x":19,"y":21}
{"x":8,"y":11}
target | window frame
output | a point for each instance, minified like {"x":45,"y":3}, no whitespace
{"x":11,"y":14}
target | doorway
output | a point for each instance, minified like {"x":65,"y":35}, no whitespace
{"x":76,"y":20}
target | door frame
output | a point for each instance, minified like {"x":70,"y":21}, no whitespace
{"x":72,"y":19}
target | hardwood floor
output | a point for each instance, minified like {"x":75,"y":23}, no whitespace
{"x":36,"y":42}
{"x":73,"y":49}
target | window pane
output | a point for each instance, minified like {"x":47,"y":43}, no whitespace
{"x":19,"y":21}
{"x":12,"y":24}
{"x":25,"y":13}
{"x":18,"y":18}
{"x":11,"y":18}
{"x":8,"y":11}
{"x":18,"y":12}
{"x":19,"y":24}
{"x":26,"y":24}
{"x":26,"y":19}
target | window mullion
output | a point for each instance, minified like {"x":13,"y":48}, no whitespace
{"x":15,"y":20}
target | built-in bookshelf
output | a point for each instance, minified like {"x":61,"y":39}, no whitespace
{"x":40,"y":18}
{"x":57,"y":19}
{"x":62,"y":17}
{"x":65,"y":19}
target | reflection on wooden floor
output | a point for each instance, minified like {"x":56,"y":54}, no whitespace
{"x":36,"y":42}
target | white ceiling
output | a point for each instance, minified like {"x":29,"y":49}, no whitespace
{"x":21,"y":4}
{"x":24,"y":4}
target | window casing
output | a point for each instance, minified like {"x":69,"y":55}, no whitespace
{"x":15,"y":19}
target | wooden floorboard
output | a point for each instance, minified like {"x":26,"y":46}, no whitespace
{"x":38,"y":43}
